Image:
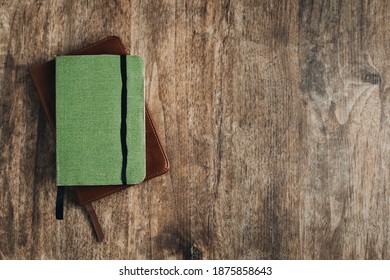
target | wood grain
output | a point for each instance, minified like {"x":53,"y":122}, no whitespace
{"x":275,"y":117}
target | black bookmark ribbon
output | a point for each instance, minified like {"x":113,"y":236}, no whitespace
{"x":60,"y":203}
{"x":123,"y":118}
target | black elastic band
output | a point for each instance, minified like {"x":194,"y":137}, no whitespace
{"x":60,"y":203}
{"x":123,"y":118}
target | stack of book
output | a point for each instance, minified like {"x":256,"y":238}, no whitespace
{"x":94,"y":101}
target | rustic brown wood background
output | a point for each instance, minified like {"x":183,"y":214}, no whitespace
{"x":275,"y":116}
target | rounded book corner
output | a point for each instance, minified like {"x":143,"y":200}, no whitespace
{"x":140,"y":179}
{"x":137,"y":60}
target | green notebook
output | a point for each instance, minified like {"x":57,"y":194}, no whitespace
{"x":100,"y":120}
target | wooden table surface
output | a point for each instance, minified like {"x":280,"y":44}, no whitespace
{"x":275,"y":116}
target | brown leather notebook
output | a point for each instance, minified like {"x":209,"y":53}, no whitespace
{"x":43,"y":76}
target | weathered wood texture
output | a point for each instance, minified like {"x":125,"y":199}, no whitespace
{"x":275,"y":116}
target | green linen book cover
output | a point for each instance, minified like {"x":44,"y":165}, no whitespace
{"x":100,"y":120}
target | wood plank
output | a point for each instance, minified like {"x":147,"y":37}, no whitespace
{"x":345,"y":202}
